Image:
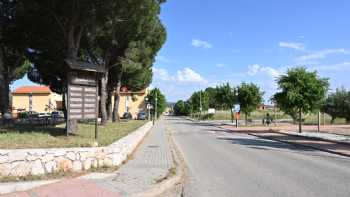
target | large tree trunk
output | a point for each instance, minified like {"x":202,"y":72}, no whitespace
{"x":332,"y":120}
{"x":4,"y":96}
{"x":103,"y":106}
{"x":109,"y":105}
{"x":73,"y":44}
{"x":116,"y":102}
{"x":347,"y":120}
{"x":246,"y":119}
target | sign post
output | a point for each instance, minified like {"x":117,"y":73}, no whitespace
{"x":237,"y":109}
{"x":82,"y":97}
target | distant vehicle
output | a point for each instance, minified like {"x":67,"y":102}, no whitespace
{"x":43,"y":115}
{"x":33,"y":114}
{"x":141,"y":116}
{"x":127,"y":116}
{"x":57,"y":114}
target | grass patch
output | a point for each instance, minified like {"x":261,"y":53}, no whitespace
{"x":54,"y":137}
{"x":310,"y":119}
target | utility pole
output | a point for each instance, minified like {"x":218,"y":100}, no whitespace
{"x":200,"y":104}
{"x":319,"y":122}
{"x":155,"y":107}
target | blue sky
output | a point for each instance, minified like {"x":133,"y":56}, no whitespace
{"x":212,"y":42}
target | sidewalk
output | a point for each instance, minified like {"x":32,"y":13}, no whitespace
{"x":319,"y":144}
{"x":150,"y":163}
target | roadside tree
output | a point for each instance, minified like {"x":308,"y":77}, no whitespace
{"x":300,"y":91}
{"x":157,"y":99}
{"x":226,"y":96}
{"x":337,"y":105}
{"x":12,"y":48}
{"x":249,"y":98}
{"x":181,"y":108}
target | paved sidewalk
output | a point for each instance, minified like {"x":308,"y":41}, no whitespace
{"x":150,"y":163}
{"x":325,"y":145}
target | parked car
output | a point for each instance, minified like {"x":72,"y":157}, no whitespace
{"x":44,"y":115}
{"x":57,"y":114}
{"x":33,"y":114}
{"x":127,"y":116}
{"x":141,"y":116}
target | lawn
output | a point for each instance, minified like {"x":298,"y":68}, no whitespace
{"x":310,"y":119}
{"x":54,"y":137}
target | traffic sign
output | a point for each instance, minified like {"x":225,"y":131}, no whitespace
{"x":237,"y":108}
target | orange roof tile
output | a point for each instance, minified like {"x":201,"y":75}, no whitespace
{"x":33,"y":90}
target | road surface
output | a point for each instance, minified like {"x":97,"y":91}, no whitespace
{"x":224,"y":164}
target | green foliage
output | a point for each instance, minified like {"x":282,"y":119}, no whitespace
{"x":249,"y":97}
{"x":225,"y":96}
{"x":337,"y":105}
{"x":212,"y":94}
{"x":182,"y":108}
{"x":300,"y":90}
{"x":12,"y":48}
{"x":198,"y":99}
{"x":161,"y":102}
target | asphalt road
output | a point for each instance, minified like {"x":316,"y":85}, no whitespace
{"x":221,"y":164}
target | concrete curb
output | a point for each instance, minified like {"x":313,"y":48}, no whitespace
{"x":169,"y":182}
{"x":10,"y":187}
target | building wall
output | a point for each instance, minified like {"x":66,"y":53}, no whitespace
{"x":127,"y":103}
{"x":39,"y":102}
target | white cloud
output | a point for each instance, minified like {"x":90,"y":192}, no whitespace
{"x":292,"y":45}
{"x":186,"y":75}
{"x":189,"y":75}
{"x":162,"y":74}
{"x":340,"y":67}
{"x":257,"y":69}
{"x":322,"y":54}
{"x":220,"y":65}
{"x":253,"y":69}
{"x":201,"y":44}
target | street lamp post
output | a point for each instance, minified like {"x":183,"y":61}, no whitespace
{"x":236,"y":95}
{"x":156,"y":106}
{"x":200,"y":105}
{"x":148,"y":106}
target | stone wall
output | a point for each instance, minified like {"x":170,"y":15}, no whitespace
{"x":24,"y":162}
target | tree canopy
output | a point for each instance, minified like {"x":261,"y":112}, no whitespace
{"x":161,"y":101}
{"x":12,"y":48}
{"x":249,"y":97}
{"x":182,"y":108}
{"x":337,"y":105}
{"x":300,"y":91}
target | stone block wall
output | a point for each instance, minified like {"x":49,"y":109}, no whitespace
{"x":24,"y":162}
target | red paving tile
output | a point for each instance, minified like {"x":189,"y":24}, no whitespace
{"x":68,"y":188}
{"x":18,"y":194}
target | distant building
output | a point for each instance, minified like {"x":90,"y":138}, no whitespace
{"x":266,"y":107}
{"x":41,"y":99}
{"x":131,"y":101}
{"x":35,"y":98}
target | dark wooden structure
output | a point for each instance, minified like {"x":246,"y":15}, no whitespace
{"x":82,"y":91}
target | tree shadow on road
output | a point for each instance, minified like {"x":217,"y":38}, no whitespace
{"x":263,"y":144}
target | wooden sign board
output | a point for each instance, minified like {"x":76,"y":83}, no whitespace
{"x":82,"y":103}
{"x":82,"y":78}
{"x":82,"y":96}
